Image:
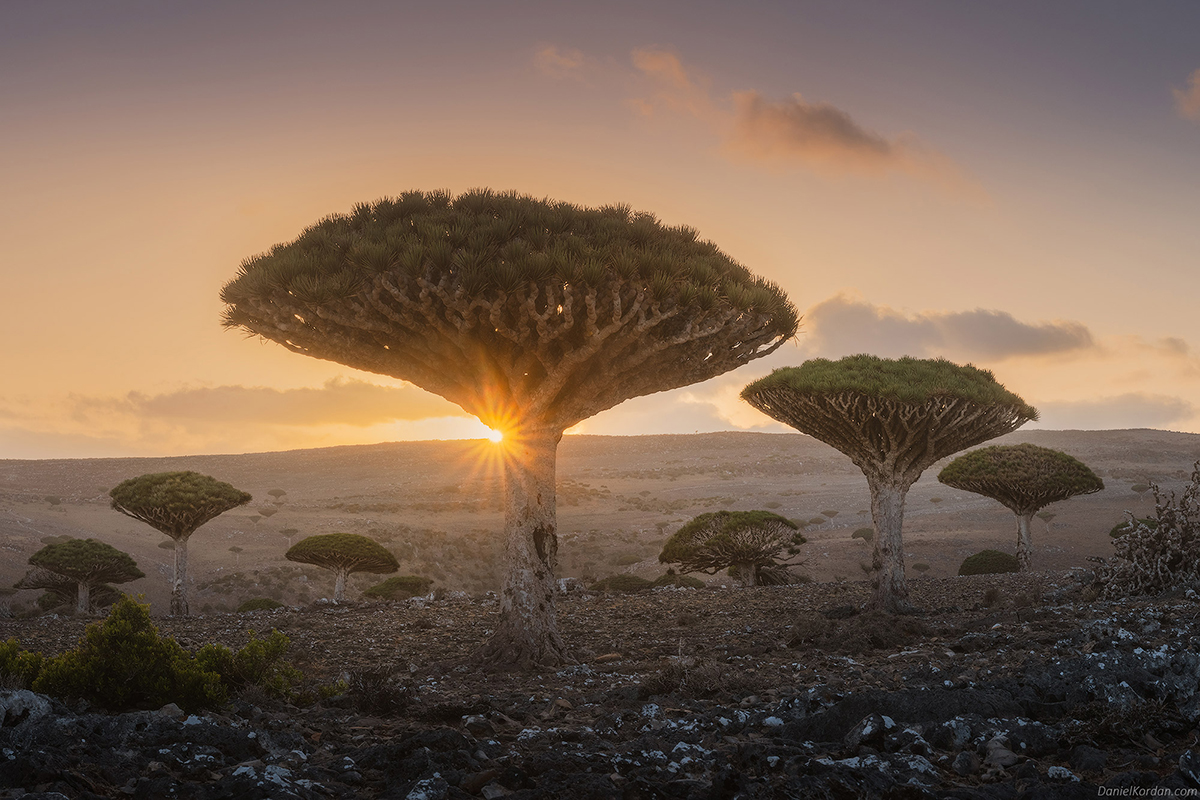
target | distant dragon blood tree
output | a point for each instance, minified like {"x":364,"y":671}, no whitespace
{"x":530,"y":314}
{"x":1025,"y":478}
{"x":78,"y":567}
{"x":176,"y":503}
{"x":344,"y":553}
{"x":893,"y":418}
{"x":748,"y":541}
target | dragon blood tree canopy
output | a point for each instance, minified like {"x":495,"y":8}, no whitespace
{"x":514,"y":308}
{"x":893,"y":418}
{"x":1025,"y":478}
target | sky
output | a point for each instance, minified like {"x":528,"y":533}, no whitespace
{"x":1014,"y":185}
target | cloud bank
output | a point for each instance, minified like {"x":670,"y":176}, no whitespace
{"x":1187,"y":101}
{"x":1133,"y":410}
{"x":844,"y":326}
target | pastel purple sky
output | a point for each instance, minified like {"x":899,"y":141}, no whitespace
{"x":1014,"y":184}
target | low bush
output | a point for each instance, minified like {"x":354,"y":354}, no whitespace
{"x":866,"y":534}
{"x":259,"y":604}
{"x":122,"y":662}
{"x":621,"y":583}
{"x":400,"y":587}
{"x":259,"y":664}
{"x":1128,"y":525}
{"x":989,"y":562}
{"x":18,"y":668}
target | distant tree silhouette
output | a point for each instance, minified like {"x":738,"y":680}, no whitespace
{"x":893,"y":418}
{"x":748,"y":542}
{"x":1024,"y":478}
{"x":345,"y":554}
{"x":176,"y":503}
{"x":530,"y":314}
{"x":82,"y":565}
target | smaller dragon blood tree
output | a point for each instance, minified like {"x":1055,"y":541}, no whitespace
{"x":176,"y":503}
{"x":344,"y":553}
{"x":78,"y":567}
{"x":894,"y":418}
{"x":1024,"y":478}
{"x":749,"y":542}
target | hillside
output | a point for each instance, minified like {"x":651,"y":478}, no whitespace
{"x":437,"y":506}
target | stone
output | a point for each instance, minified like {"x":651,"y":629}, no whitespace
{"x":998,"y":754}
{"x":20,"y":706}
{"x":1189,"y":766}
{"x":965,"y":763}
{"x":1085,"y":758}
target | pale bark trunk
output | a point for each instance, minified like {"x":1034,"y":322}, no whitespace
{"x":179,"y":603}
{"x":887,"y":509}
{"x":339,"y":585}
{"x":748,"y":574}
{"x":1024,"y":542}
{"x":83,"y":599}
{"x":527,"y":634}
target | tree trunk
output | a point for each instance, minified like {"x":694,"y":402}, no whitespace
{"x":1024,"y":541}
{"x":527,"y":634}
{"x":83,"y":598}
{"x":179,"y":604}
{"x":887,"y":509}
{"x":339,"y":584}
{"x":748,"y":574}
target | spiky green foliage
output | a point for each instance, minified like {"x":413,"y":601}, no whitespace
{"x":176,"y":503}
{"x":1023,"y":477}
{"x":914,"y":381}
{"x":343,"y":550}
{"x":345,"y":554}
{"x":84,"y":561}
{"x":401,"y":587}
{"x":550,"y":309}
{"x":989,"y":562}
{"x":749,"y":540}
{"x":122,"y":662}
{"x":893,"y":418}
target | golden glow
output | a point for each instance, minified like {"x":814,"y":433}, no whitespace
{"x":494,"y":435}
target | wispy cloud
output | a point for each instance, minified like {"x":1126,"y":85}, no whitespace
{"x":789,"y":132}
{"x":1187,"y":101}
{"x":843,"y":325}
{"x":559,"y":62}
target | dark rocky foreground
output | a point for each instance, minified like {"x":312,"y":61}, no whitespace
{"x":1008,"y":687}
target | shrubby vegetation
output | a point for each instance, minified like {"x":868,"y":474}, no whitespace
{"x":1159,"y":555}
{"x":751,"y":544}
{"x":989,"y":562}
{"x":123,"y":663}
{"x":259,"y":604}
{"x":621,"y":583}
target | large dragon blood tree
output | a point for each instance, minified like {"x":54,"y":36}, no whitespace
{"x":530,"y":314}
{"x":893,"y":418}
{"x":77,"y":569}
{"x":176,"y":503}
{"x":1025,"y":478}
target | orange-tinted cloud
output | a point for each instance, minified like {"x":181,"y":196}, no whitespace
{"x":1187,"y":101}
{"x":789,"y":132}
{"x":843,"y":326}
{"x":1133,"y":410}
{"x":558,"y":62}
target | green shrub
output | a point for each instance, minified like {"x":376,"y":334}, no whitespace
{"x":627,"y":559}
{"x":921,"y":566}
{"x":621,"y":583}
{"x":18,"y":668}
{"x":400,"y":587}
{"x":989,"y":562}
{"x":866,"y":534}
{"x":259,"y":604}
{"x":122,"y":662}
{"x":259,"y":664}
{"x":671,"y":579}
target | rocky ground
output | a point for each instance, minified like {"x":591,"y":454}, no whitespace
{"x":1005,"y":687}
